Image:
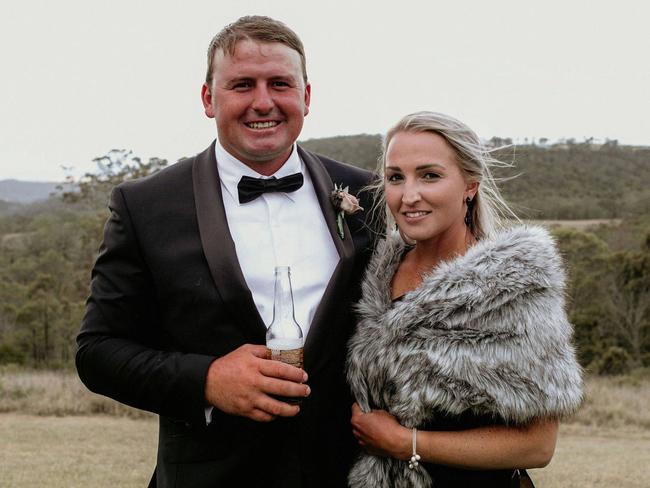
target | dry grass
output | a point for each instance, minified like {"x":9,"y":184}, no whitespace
{"x":64,"y":441}
{"x":612,"y":402}
{"x":67,"y":452}
{"x":588,"y":457}
{"x":102,"y":451}
{"x":616,"y":402}
{"x":578,"y":224}
{"x":56,"y":393}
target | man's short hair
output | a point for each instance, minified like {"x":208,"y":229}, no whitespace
{"x":256,"y":28}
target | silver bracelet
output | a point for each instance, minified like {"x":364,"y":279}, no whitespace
{"x":413,"y":463}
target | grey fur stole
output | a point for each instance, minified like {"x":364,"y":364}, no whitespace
{"x":485,"y":333}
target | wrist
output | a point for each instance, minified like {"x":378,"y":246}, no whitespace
{"x":403,"y":443}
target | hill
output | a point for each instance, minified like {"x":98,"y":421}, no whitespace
{"x":361,"y":150}
{"x":567,"y":180}
{"x":7,"y":207}
{"x":579,"y":181}
{"x":25,"y":191}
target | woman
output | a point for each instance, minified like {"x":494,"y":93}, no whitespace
{"x":462,"y":364}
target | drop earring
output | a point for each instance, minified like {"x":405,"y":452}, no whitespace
{"x":468,"y":215}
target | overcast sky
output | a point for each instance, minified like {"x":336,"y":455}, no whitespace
{"x":80,"y":77}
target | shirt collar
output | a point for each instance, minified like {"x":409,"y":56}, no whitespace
{"x":231,"y":170}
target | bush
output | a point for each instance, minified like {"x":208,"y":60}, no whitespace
{"x":614,"y":361}
{"x":11,"y":355}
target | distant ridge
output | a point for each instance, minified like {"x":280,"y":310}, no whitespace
{"x":549,"y":180}
{"x":26,"y":191}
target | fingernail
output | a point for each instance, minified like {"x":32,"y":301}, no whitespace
{"x":308,"y":391}
{"x":304,"y":377}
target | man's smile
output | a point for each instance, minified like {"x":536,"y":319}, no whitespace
{"x":262,"y":125}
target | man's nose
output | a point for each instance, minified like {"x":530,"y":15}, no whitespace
{"x":262,"y":101}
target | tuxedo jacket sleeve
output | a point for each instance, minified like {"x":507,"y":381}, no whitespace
{"x":126,"y":346}
{"x":167,"y":296}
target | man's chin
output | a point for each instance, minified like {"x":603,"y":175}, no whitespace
{"x":265,"y":159}
{"x":267,"y":155}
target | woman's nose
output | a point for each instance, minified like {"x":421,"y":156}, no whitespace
{"x":411,"y":193}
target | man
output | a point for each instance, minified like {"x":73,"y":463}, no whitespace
{"x":183,"y":284}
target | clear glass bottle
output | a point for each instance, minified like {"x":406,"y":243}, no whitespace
{"x":284,"y":336}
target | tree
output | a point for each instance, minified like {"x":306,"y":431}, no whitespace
{"x":585,"y":256}
{"x":116,"y":166}
{"x":45,"y":264}
{"x":628,"y":303}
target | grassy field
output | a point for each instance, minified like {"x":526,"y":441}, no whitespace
{"x":54,"y":393}
{"x":578,"y":224}
{"x":610,"y":402}
{"x":55,"y":433}
{"x":587,"y":457}
{"x":66,"y":452}
{"x":102,"y":451}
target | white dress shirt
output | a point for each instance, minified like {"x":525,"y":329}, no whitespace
{"x":279,"y":229}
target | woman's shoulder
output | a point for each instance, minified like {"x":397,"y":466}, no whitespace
{"x":531,"y":242}
{"x":520,"y":255}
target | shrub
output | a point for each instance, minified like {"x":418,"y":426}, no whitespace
{"x":11,"y":355}
{"x":614,"y":361}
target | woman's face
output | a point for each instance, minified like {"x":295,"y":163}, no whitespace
{"x":425,"y":189}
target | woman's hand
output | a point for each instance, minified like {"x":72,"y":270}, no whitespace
{"x":380,"y":433}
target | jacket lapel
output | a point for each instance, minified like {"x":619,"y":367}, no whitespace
{"x":322,"y":330}
{"x":323,"y":185}
{"x":219,"y":248}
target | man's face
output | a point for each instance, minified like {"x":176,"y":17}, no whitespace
{"x":259,"y":100}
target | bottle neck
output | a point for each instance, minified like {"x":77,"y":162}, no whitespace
{"x":283,"y":296}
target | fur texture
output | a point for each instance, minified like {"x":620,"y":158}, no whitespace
{"x":485,"y":333}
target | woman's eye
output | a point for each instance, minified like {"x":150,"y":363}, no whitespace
{"x":393,"y":178}
{"x":431,"y":176}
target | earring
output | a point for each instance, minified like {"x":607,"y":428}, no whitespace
{"x":468,"y":215}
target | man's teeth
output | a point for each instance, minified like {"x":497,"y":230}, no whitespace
{"x":262,"y":125}
{"x":415,"y":214}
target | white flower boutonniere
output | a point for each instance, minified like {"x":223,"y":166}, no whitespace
{"x":344,"y":204}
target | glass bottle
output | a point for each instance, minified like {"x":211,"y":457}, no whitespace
{"x":284,"y":336}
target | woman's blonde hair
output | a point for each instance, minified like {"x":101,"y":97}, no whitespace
{"x":489,"y":210}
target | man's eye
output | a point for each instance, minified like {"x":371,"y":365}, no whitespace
{"x":242,"y":85}
{"x":280,"y":84}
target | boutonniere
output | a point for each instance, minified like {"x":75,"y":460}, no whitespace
{"x":344,"y":204}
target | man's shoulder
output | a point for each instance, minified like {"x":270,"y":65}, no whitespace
{"x":168,"y":177}
{"x":174,"y":177}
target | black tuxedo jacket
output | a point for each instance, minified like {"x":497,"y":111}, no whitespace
{"x":168,"y":297}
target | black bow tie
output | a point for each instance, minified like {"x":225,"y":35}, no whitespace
{"x":251,"y":188}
